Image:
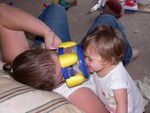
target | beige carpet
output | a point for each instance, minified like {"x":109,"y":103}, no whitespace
{"x":144,"y":8}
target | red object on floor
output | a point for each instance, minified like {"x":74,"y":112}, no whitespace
{"x":129,"y":3}
{"x":45,"y":5}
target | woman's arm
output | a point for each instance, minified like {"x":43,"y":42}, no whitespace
{"x":18,"y":20}
{"x":86,"y":100}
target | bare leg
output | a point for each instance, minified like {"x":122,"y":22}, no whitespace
{"x":135,"y":53}
{"x":87,"y":101}
{"x":12,"y":43}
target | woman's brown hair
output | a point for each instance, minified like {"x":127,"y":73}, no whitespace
{"x":107,"y":42}
{"x":33,"y":67}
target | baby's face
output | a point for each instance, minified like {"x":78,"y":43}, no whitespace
{"x":93,"y":60}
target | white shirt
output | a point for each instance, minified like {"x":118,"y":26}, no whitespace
{"x":118,"y":78}
{"x":66,"y":91}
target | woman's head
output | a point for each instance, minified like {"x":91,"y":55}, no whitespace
{"x":36,"y":67}
{"x":104,"y":43}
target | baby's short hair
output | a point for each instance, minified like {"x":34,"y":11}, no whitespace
{"x":106,"y":41}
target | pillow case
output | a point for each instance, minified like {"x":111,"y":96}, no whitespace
{"x":19,"y":98}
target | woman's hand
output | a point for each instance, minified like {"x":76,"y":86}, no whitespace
{"x":52,"y":41}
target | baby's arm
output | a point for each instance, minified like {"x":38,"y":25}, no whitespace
{"x":121,"y":100}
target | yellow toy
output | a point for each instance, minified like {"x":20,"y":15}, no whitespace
{"x":73,"y":65}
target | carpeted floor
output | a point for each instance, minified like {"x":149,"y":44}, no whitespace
{"x":137,"y":29}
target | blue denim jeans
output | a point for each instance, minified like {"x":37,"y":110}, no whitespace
{"x":55,"y":17}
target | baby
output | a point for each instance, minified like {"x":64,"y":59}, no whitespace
{"x":103,"y":49}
